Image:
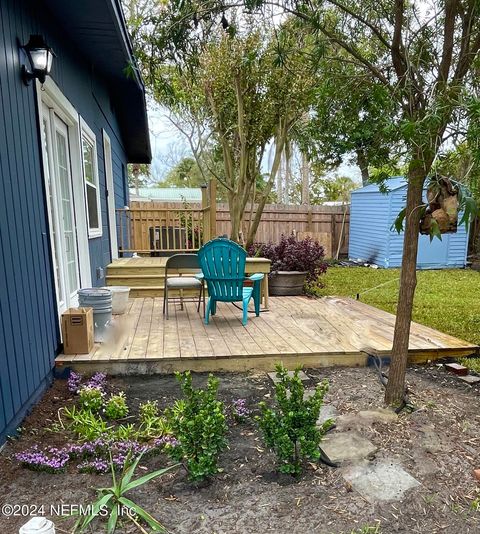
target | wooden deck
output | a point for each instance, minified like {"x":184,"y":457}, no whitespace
{"x":296,"y":330}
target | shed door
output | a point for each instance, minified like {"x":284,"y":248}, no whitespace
{"x":61,"y":209}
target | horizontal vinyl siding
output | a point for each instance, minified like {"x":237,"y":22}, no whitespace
{"x":29,"y":335}
{"x":369,"y":213}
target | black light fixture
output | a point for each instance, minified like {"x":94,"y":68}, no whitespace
{"x":40,"y":57}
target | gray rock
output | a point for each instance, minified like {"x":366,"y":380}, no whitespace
{"x":347,"y":447}
{"x":366,"y":418}
{"x":470,"y":379}
{"x":327,"y":411}
{"x":380,"y":482}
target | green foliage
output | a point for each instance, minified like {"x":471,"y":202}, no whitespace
{"x":291,"y":428}
{"x":152,"y":424}
{"x":198,"y":422}
{"x":472,"y":363}
{"x":90,"y":398}
{"x":85,"y":424}
{"x":338,"y":188}
{"x":116,"y":407}
{"x":113,"y":500}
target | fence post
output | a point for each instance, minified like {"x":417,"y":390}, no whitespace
{"x":212,"y":190}
{"x":309,"y":219}
{"x":205,"y":214}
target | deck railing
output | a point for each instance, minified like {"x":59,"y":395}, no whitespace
{"x":158,"y":231}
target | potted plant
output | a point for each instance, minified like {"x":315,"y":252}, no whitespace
{"x":294,"y":262}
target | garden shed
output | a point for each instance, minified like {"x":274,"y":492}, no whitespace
{"x":372,"y":214}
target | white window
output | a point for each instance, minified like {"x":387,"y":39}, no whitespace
{"x":90,"y":176}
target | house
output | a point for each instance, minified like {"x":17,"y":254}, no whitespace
{"x":167,"y":194}
{"x":64,"y":149}
{"x":372,"y":239}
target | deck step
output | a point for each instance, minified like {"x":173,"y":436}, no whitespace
{"x":157,"y":291}
{"x":135,"y":271}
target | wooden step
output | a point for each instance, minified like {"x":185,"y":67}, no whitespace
{"x":153,"y":270}
{"x":135,"y":280}
{"x":157,"y":291}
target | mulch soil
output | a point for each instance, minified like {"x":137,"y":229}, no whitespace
{"x":438,"y":444}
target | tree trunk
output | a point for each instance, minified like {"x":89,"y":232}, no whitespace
{"x":305,"y":171}
{"x":363,"y":164}
{"x":396,"y":378}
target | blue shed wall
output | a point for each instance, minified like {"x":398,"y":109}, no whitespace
{"x":371,"y":231}
{"x":29,"y":332}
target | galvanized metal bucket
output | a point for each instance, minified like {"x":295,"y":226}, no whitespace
{"x":101,"y":302}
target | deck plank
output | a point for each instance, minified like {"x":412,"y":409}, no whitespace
{"x":330,"y":329}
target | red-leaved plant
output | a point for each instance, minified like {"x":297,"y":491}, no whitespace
{"x":291,"y":254}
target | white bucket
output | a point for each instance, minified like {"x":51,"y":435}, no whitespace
{"x":119,"y":299}
{"x":38,"y":525}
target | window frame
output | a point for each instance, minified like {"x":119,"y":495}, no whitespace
{"x":87,"y":133}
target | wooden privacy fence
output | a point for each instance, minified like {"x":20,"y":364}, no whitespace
{"x":323,"y":223}
{"x":160,"y":228}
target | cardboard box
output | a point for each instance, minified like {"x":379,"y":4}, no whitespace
{"x":77,"y":330}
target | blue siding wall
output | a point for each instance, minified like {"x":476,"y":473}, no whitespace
{"x":29,"y":332}
{"x":371,"y":237}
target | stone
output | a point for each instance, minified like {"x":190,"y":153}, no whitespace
{"x":457,"y":369}
{"x":347,"y":447}
{"x":366,"y":418}
{"x":327,"y":411}
{"x":275,"y":380}
{"x":383,"y":481}
{"x":476,"y":473}
{"x":470,"y":379}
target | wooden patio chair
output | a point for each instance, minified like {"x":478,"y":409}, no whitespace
{"x":223,"y":268}
{"x":179,"y":262}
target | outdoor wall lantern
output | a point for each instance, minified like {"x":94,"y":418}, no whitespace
{"x":40,"y":57}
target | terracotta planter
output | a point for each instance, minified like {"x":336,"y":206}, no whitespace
{"x":286,"y":283}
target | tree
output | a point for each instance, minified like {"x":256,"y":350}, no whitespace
{"x":337,"y":189}
{"x":351,"y":116}
{"x":138,"y":175}
{"x":424,"y":59}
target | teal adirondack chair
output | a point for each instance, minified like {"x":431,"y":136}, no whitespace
{"x":223,"y":268}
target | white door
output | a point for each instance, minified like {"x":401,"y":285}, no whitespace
{"x":112,"y":218}
{"x":61,"y":208}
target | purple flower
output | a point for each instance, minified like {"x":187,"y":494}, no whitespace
{"x":87,"y":449}
{"x":98,"y":380}
{"x":164,"y":441}
{"x":239,"y":409}
{"x":74,"y":381}
{"x":96,"y":465}
{"x":52,"y":460}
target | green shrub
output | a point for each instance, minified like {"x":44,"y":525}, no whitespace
{"x":290,"y":429}
{"x":116,"y":406}
{"x":90,"y":398}
{"x":198,"y":423}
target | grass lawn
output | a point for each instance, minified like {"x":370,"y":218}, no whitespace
{"x":448,"y":300}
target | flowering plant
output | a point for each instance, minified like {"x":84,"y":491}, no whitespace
{"x":240,"y":411}
{"x":91,"y":398}
{"x":290,"y":254}
{"x":116,"y":406}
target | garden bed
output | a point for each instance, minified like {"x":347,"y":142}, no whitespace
{"x":437,"y":444}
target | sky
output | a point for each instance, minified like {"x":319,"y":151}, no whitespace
{"x":169,"y":147}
